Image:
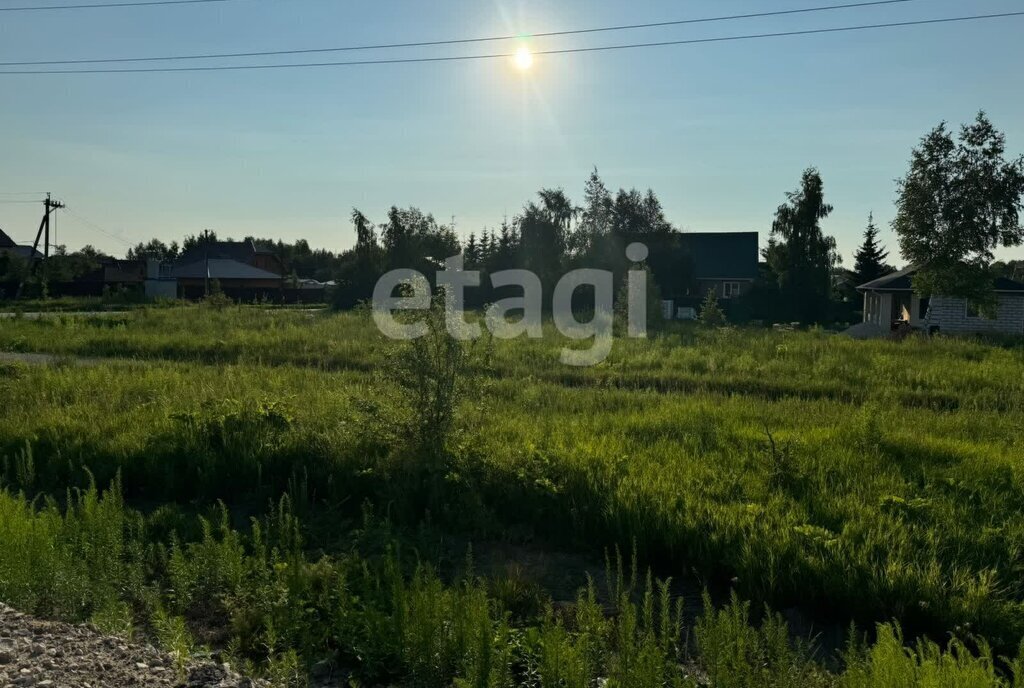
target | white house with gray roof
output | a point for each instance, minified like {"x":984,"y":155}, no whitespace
{"x":891,"y":300}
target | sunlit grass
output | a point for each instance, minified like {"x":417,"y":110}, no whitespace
{"x":856,"y":480}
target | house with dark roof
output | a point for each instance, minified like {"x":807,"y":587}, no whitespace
{"x":690,"y":264}
{"x":9,"y":247}
{"x":239,"y":268}
{"x":244,"y":252}
{"x":723,"y":262}
{"x":890,"y":301}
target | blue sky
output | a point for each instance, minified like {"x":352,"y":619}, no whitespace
{"x":719,"y":131}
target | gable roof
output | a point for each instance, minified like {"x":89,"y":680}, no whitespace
{"x":901,"y":280}
{"x":221,"y":268}
{"x":722,"y":255}
{"x":894,"y":281}
{"x":22,"y":251}
{"x":8,"y":245}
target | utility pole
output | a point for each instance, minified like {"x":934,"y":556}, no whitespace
{"x":49,"y":205}
{"x":206,"y":255}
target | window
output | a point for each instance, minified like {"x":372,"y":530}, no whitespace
{"x":974,"y":310}
{"x":730,"y":290}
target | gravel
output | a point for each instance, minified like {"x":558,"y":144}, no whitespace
{"x":47,"y":654}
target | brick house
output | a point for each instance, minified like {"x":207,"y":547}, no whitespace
{"x":891,"y":300}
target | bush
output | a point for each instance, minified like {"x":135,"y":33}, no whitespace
{"x":424,"y":383}
{"x":711,"y":314}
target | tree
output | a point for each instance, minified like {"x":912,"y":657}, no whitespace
{"x":192,"y":241}
{"x":559,"y":209}
{"x":959,"y":201}
{"x":800,"y":253}
{"x":541,"y":244}
{"x":869,"y":261}
{"x":413,"y":239}
{"x":471,"y":252}
{"x":504,"y":254}
{"x":595,"y":216}
{"x":1013,"y":269}
{"x":154,"y":249}
{"x":711,"y":314}
{"x":629,"y":214}
{"x":396,"y":238}
{"x":366,"y":238}
{"x":361,"y":267}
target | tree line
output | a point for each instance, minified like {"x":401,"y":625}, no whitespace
{"x":959,"y":202}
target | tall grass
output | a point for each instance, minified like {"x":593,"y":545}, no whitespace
{"x":855,"y":480}
{"x":277,"y":611}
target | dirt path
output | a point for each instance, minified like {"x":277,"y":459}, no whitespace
{"x":47,"y":654}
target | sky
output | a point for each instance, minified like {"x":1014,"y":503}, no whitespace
{"x":720,"y":131}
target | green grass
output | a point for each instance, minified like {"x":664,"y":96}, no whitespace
{"x":858,"y":481}
{"x":386,"y":620}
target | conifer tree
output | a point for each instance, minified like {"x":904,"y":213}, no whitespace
{"x":869,"y":261}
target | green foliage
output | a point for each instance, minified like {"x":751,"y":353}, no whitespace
{"x":869,"y":260}
{"x":737,"y":654}
{"x":173,"y":636}
{"x":800,"y":254}
{"x":217,"y":299}
{"x":888,"y":663}
{"x":76,"y":562}
{"x":958,"y":203}
{"x":433,"y":376}
{"x":711,"y":314}
{"x":278,"y":611}
{"x":892,"y":490}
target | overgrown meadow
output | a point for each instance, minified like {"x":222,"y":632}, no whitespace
{"x":244,"y":481}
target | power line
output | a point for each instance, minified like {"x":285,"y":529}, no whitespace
{"x":461,"y":41}
{"x":491,"y":56}
{"x":105,"y":5}
{"x":97,"y":228}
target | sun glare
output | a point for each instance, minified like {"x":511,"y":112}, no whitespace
{"x":523,"y":58}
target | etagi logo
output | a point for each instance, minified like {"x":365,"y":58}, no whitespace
{"x":454,"y":279}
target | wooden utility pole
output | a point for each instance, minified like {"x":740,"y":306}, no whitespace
{"x":49,"y":205}
{"x":44,"y":226}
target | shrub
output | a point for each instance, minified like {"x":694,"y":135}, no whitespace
{"x":424,"y":385}
{"x":711,"y":314}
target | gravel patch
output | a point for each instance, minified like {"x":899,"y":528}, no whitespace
{"x":48,"y":654}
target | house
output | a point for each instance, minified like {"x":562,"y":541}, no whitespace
{"x":240,"y":270}
{"x":689,"y":265}
{"x":9,"y":247}
{"x":239,"y":251}
{"x":723,"y":262}
{"x":891,"y":300}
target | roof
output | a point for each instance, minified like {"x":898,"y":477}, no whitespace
{"x":720,"y":255}
{"x":221,"y":268}
{"x":23,"y":251}
{"x":894,"y":281}
{"x":8,"y":245}
{"x":901,"y":280}
{"x":242,"y":251}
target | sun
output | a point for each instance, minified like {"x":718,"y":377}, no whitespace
{"x":523,"y":58}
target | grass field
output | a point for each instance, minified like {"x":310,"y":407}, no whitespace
{"x":850,"y":481}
